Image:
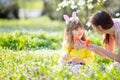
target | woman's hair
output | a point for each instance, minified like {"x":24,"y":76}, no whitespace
{"x":68,"y":36}
{"x":103,"y":19}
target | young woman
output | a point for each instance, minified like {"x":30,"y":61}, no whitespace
{"x":103,"y":23}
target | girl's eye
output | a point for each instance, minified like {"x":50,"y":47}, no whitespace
{"x":77,"y":29}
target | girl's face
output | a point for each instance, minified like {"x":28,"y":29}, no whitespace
{"x":78,"y":32}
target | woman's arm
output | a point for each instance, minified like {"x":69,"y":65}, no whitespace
{"x":103,"y":52}
{"x":99,"y":50}
{"x":110,"y":45}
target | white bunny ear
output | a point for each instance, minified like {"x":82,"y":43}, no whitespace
{"x":74,"y":15}
{"x":66,"y":17}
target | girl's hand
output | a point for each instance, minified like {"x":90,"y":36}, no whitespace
{"x":83,"y":44}
{"x":65,"y":57}
{"x":79,"y":44}
{"x":77,"y":61}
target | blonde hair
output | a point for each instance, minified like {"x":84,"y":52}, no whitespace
{"x":68,"y":36}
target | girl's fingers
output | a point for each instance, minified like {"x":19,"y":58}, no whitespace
{"x":75,"y":45}
{"x":79,"y":44}
{"x":83,"y":42}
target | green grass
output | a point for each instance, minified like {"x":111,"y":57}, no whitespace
{"x":42,"y":22}
{"x":19,"y":63}
{"x":43,"y":63}
{"x":94,"y":37}
{"x":33,"y":41}
{"x":34,"y":4}
{"x":30,"y":41}
{"x":23,"y":65}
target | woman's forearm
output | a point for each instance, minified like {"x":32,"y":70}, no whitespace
{"x":100,"y":53}
{"x":103,"y":52}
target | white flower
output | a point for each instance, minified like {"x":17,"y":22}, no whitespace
{"x":117,"y":14}
{"x":77,"y":11}
{"x":73,"y":6}
{"x":58,"y":9}
{"x":90,"y":6}
{"x":104,"y":0}
{"x":63,"y":4}
{"x":88,"y":24}
{"x":81,"y":3}
{"x":89,"y":1}
{"x":99,"y":0}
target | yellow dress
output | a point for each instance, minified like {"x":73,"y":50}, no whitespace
{"x":83,"y":54}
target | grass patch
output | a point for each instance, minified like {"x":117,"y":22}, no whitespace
{"x":42,"y":22}
{"x":23,"y":65}
{"x":30,"y":41}
{"x":33,"y":4}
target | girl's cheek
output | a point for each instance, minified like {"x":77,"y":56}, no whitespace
{"x":80,"y":35}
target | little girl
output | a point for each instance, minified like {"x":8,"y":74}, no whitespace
{"x":74,"y":31}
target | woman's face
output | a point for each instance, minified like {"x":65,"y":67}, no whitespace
{"x":78,"y":32}
{"x":99,"y":29}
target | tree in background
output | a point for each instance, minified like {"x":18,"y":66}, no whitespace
{"x":50,"y":7}
{"x":84,"y":8}
{"x":113,"y":6}
{"x":9,"y":9}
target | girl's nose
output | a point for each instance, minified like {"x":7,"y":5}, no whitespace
{"x":79,"y":33}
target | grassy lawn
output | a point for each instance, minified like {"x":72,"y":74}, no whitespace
{"x":25,"y":65}
{"x":32,"y":24}
{"x":30,"y":50}
{"x":33,"y":4}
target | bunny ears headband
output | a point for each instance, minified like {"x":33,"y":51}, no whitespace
{"x":67,"y":18}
